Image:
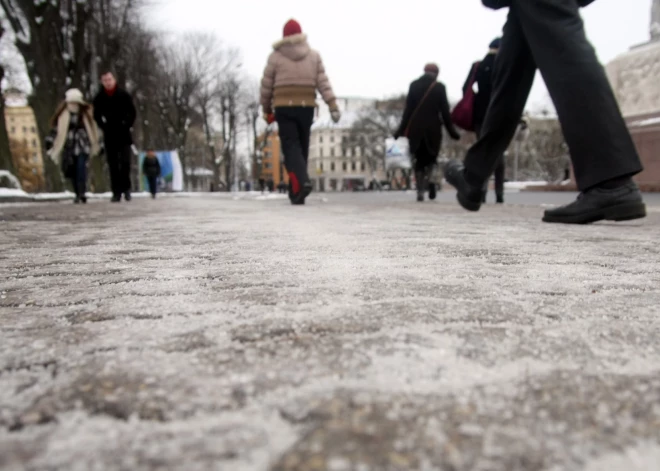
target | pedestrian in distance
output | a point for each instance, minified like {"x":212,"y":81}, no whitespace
{"x":549,"y":35}
{"x":151,"y":170}
{"x":292,"y":76}
{"x":481,"y":74}
{"x":73,"y":140}
{"x":425,"y":113}
{"x":115,"y":114}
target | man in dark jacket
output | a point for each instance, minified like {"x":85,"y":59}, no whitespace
{"x":427,"y":109}
{"x":115,"y":114}
{"x":483,"y":77}
{"x":549,"y":35}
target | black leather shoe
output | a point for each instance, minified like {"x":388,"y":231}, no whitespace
{"x":115,"y":199}
{"x":597,"y":204}
{"x":420,"y":197}
{"x":467,"y":195}
{"x":127,"y":196}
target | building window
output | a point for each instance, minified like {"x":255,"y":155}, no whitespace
{"x":353,"y":166}
{"x":363,"y":167}
{"x":24,"y":130}
{"x":13,"y":130}
{"x":321,"y":166}
{"x":33,"y":129}
{"x":332,"y":166}
{"x":344,"y":140}
{"x":35,"y":158}
{"x":344,"y":167}
{"x":321,"y":152}
{"x":332,"y":152}
{"x":332,"y":139}
{"x":34,"y":143}
{"x":320,"y":139}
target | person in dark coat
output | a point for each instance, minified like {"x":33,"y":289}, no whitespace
{"x":549,"y":35}
{"x":151,"y":170}
{"x":426,"y":111}
{"x":115,"y":114}
{"x":484,"y":79}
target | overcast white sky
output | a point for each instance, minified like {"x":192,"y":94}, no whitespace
{"x":375,"y":48}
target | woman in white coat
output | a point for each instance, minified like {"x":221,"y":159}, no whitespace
{"x":74,"y":140}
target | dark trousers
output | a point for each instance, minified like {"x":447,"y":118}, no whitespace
{"x":153,"y":185}
{"x":549,"y":35}
{"x":79,"y":176}
{"x":424,"y":162}
{"x":295,"y":127}
{"x":499,"y":171}
{"x":119,"y":162}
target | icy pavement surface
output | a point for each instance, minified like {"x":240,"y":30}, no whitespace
{"x":350,"y":334}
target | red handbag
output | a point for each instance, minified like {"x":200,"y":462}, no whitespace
{"x":463,"y":114}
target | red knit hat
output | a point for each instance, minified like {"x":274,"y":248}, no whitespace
{"x":292,"y":27}
{"x":431,"y":68}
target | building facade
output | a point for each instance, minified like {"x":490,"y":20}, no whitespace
{"x":335,"y":163}
{"x":272,"y":164}
{"x":634,"y":78}
{"x":25,"y":146}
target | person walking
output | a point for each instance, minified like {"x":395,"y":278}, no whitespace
{"x":151,"y":170}
{"x":426,"y":111}
{"x":550,"y":35}
{"x":115,"y":114}
{"x":73,"y":140}
{"x":481,"y":73}
{"x":292,"y":76}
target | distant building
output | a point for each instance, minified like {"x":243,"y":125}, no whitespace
{"x":334,"y":164}
{"x":25,"y":143}
{"x":634,"y":77}
{"x":272,"y":164}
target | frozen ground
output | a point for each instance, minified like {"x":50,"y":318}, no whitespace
{"x":356,"y":333}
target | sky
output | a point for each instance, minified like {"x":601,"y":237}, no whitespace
{"x":375,"y":48}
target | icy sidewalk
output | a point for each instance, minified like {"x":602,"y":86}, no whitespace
{"x":10,"y":195}
{"x":208,"y":333}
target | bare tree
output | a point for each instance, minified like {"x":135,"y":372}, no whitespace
{"x":546,"y":153}
{"x":369,"y":131}
{"x":60,"y":42}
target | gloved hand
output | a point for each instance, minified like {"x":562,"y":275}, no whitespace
{"x":336,"y":116}
{"x":269,"y":117}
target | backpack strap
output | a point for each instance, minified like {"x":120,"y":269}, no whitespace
{"x":421,"y":102}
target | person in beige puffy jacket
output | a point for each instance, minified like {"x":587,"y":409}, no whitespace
{"x":288,"y":95}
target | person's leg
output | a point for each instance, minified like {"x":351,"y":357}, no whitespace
{"x":81,"y":177}
{"x":499,"y":179}
{"x":294,"y":160}
{"x":599,"y":142}
{"x":113,"y":165}
{"x":125,"y":171}
{"x":513,"y":78}
{"x":512,"y":82}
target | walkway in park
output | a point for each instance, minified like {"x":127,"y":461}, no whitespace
{"x":360,"y":332}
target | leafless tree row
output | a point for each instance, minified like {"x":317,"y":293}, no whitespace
{"x":187,"y":83}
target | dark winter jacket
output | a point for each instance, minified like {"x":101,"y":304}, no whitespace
{"x":484,"y":80}
{"x":425,"y":127}
{"x":497,"y":4}
{"x":151,"y":167}
{"x":115,"y":115}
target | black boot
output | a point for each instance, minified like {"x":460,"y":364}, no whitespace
{"x":468,"y":194}
{"x":596,"y":204}
{"x":500,"y":199}
{"x":299,"y":198}
{"x":432,"y":191}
